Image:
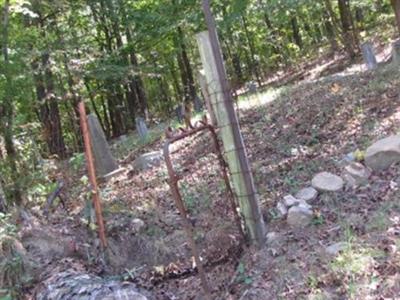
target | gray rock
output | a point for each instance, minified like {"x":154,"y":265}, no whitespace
{"x":290,"y":201}
{"x":148,"y":160}
{"x":327,"y":182}
{"x":299,"y":216}
{"x":137,"y":225}
{"x":281,"y":208}
{"x":272,"y":237}
{"x":307,"y":194}
{"x":382,"y":154}
{"x":358,"y":172}
{"x":303,"y":203}
{"x":350,"y":181}
{"x":336,"y":248}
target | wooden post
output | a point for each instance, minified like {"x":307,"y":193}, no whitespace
{"x":228,"y":123}
{"x":92,"y":174}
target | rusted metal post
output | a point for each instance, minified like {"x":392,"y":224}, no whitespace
{"x":92,"y":175}
{"x":188,"y":227}
{"x":228,"y":124}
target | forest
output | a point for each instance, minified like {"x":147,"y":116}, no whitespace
{"x":295,"y":198}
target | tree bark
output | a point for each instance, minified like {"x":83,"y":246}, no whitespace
{"x":254,"y":63}
{"x":396,"y":8}
{"x":296,"y":31}
{"x":7,"y":114}
{"x":346,"y":21}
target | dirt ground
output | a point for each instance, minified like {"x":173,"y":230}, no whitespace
{"x":306,"y":128}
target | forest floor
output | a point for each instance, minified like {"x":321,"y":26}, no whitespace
{"x":291,"y":132}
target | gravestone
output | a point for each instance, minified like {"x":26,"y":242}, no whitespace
{"x":141,"y":128}
{"x":396,"y":52}
{"x":198,"y":105}
{"x":180,"y":112}
{"x":103,"y":159}
{"x":251,"y":87}
{"x":369,"y":56}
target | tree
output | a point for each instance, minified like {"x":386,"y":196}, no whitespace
{"x":7,"y":111}
{"x":347,"y":28}
{"x":396,"y":7}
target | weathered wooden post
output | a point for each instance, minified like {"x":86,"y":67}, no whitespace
{"x":369,"y":56}
{"x":92,"y":174}
{"x":396,"y":53}
{"x":103,"y":159}
{"x":228,"y":124}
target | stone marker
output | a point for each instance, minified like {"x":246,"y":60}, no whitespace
{"x":396,"y":52}
{"x":299,"y":216}
{"x":148,"y":160}
{"x":104,"y":161}
{"x":369,"y":56}
{"x":141,"y":128}
{"x":382,"y":154}
{"x":307,"y":194}
{"x":251,"y":87}
{"x":327,"y":182}
{"x":198,"y":104}
{"x":358,"y":172}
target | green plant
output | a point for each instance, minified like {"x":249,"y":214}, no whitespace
{"x":242,"y":276}
{"x":77,"y":161}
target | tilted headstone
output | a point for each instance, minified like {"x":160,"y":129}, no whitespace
{"x":104,"y":161}
{"x":141,"y":128}
{"x":369,"y":56}
{"x":180,"y":111}
{"x":198,"y":104}
{"x":396,"y":52}
{"x":251,"y":87}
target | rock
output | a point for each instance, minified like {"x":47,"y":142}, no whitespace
{"x":299,"y":216}
{"x":272,"y":237}
{"x":382,"y":154}
{"x":307,"y":194}
{"x":148,"y":160}
{"x":73,"y":284}
{"x":281,"y":208}
{"x":303,"y":203}
{"x":327,"y":182}
{"x":336,"y":248}
{"x":290,"y":201}
{"x":350,"y":181}
{"x":137,"y":225}
{"x":358,"y":172}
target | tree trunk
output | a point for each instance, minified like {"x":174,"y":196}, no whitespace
{"x":296,"y":31}
{"x":254,"y":63}
{"x":330,"y":32}
{"x":396,"y":8}
{"x":49,"y":113}
{"x":346,"y":21}
{"x":7,"y":114}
